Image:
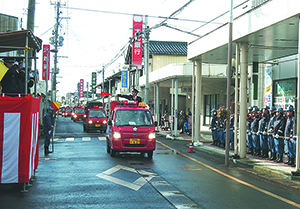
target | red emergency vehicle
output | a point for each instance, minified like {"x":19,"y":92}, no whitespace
{"x":96,"y":118}
{"x":131,"y":129}
{"x":67,"y":112}
{"x":78,"y":114}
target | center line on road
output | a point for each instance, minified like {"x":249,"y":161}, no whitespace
{"x":235,"y":179}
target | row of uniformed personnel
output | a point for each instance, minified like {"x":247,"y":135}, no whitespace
{"x":269,"y":129}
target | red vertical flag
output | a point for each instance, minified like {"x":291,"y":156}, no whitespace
{"x":137,"y":47}
{"x":46,"y":51}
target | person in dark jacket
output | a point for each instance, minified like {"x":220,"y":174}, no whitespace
{"x":279,"y":128}
{"x":270,"y":133}
{"x":133,"y":95}
{"x":213,"y":128}
{"x":254,"y":131}
{"x":248,"y":127}
{"x":289,"y":133}
{"x":262,"y":129}
{"x":47,"y":128}
{"x":8,"y":82}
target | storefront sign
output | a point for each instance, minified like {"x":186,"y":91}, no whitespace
{"x":46,"y":56}
{"x":124,"y":78}
{"x":81,"y":88}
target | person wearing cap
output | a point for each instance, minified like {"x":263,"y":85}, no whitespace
{"x":248,"y":127}
{"x":8,"y":82}
{"x":289,"y":132}
{"x":213,"y":127}
{"x":133,"y":95}
{"x":20,"y":78}
{"x":270,"y":133}
{"x":254,"y":131}
{"x":47,"y":128}
{"x":262,"y":129}
{"x":279,"y":128}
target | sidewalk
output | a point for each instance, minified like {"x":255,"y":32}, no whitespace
{"x":259,"y":164}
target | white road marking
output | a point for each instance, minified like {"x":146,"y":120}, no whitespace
{"x":101,"y":138}
{"x":134,"y":186}
{"x":86,"y":139}
{"x":69,"y":139}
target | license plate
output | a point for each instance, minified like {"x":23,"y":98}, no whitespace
{"x":79,"y":118}
{"x":134,"y":141}
{"x":97,"y":125}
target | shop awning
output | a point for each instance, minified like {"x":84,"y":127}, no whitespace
{"x":16,"y":40}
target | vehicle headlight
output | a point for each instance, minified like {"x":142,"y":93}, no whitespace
{"x":152,"y":135}
{"x":105,"y":122}
{"x":75,"y":116}
{"x":117,"y":135}
{"x":90,"y":122}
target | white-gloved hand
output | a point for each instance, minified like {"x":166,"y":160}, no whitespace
{"x":276,"y":136}
{"x":257,"y":133}
{"x":291,"y":140}
{"x":16,"y":63}
{"x":249,"y":133}
{"x":264,"y":133}
{"x":49,"y":132}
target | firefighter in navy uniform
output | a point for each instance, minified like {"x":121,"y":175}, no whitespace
{"x":47,"y":128}
{"x":231,"y":131}
{"x":133,"y":95}
{"x":262,"y":129}
{"x":289,"y":132}
{"x":270,"y":133}
{"x":213,"y":127}
{"x":279,"y":128}
{"x":254,"y":131}
{"x":248,"y":126}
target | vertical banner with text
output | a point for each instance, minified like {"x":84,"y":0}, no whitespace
{"x":81,"y":88}
{"x":46,"y":56}
{"x":137,"y":46}
{"x":94,"y":81}
{"x":124,"y":78}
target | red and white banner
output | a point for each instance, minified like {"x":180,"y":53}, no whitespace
{"x":19,"y":138}
{"x":137,"y":46}
{"x":46,"y":56}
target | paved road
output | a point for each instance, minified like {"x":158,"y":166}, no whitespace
{"x":80,"y":174}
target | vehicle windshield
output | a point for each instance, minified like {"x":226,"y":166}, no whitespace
{"x":68,"y":110}
{"x":97,"y":114}
{"x":133,"y":118}
{"x":79,"y":111}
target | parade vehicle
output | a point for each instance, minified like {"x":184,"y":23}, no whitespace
{"x":78,"y":113}
{"x":67,"y":112}
{"x":131,"y":129}
{"x":96,"y":118}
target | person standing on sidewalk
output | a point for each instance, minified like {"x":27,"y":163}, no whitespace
{"x":289,"y":129}
{"x":248,"y":126}
{"x":213,"y":127}
{"x":279,"y":128}
{"x":262,"y":129}
{"x":254,"y":131}
{"x":47,"y":128}
{"x":270,"y":134}
{"x":182,"y":120}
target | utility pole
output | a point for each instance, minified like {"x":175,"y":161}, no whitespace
{"x":229,"y":61}
{"x":146,"y":58}
{"x":55,"y":51}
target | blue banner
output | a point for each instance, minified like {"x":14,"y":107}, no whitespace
{"x":124,"y":78}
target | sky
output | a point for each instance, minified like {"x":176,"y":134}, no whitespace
{"x":95,"y":31}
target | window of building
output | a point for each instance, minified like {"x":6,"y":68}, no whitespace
{"x":285,"y":93}
{"x":211,"y":102}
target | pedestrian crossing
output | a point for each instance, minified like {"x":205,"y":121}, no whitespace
{"x":83,"y":139}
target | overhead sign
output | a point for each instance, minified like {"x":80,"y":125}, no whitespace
{"x":46,"y":56}
{"x":137,"y":47}
{"x":81,"y":88}
{"x":124,"y":78}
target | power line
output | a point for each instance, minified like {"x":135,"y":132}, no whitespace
{"x":131,"y":14}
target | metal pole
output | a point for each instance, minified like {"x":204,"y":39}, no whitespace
{"x":236,"y":96}
{"x":26,"y":65}
{"x":146,"y":58}
{"x":55,"y":52}
{"x":193,"y":102}
{"x":172,"y":109}
{"x":47,"y":77}
{"x":176,"y":108}
{"x":103,"y":84}
{"x":35,"y":73}
{"x":198,"y":105}
{"x":157,"y":103}
{"x":229,"y":87}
